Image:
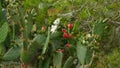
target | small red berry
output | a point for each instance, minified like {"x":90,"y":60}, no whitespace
{"x":70,"y":25}
{"x":64,"y":30}
{"x":68,"y":45}
{"x":65,"y":35}
{"x":69,"y":35}
{"x":62,"y":50}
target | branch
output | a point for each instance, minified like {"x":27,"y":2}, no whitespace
{"x":113,"y":22}
{"x":70,"y":14}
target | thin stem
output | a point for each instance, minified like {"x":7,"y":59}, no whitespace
{"x":83,"y":66}
{"x":13,"y":28}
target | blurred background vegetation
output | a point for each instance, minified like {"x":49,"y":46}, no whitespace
{"x":84,"y":12}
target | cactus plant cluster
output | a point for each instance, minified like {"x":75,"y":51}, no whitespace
{"x":37,"y":34}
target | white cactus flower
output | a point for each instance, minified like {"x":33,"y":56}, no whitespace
{"x":53,"y":28}
{"x":55,"y":25}
{"x":57,"y":21}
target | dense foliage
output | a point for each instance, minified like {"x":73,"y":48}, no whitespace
{"x":59,"y":33}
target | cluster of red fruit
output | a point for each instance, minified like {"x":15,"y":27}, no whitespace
{"x":67,"y":35}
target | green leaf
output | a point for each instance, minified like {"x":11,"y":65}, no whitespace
{"x":40,"y":64}
{"x":40,"y":39}
{"x":46,"y":43}
{"x":98,"y":27}
{"x":33,"y":49}
{"x":3,"y":32}
{"x":12,"y":54}
{"x":81,"y":53}
{"x":88,"y":56}
{"x":57,"y":60}
{"x":2,"y":49}
{"x":47,"y":63}
{"x":30,"y":54}
{"x":25,"y":56}
{"x":68,"y":63}
{"x":76,"y":25}
{"x":20,"y":17}
{"x":55,"y":35}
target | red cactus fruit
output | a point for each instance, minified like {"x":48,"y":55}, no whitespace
{"x":68,"y":45}
{"x":70,"y":25}
{"x":65,"y":35}
{"x":64,"y":30}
